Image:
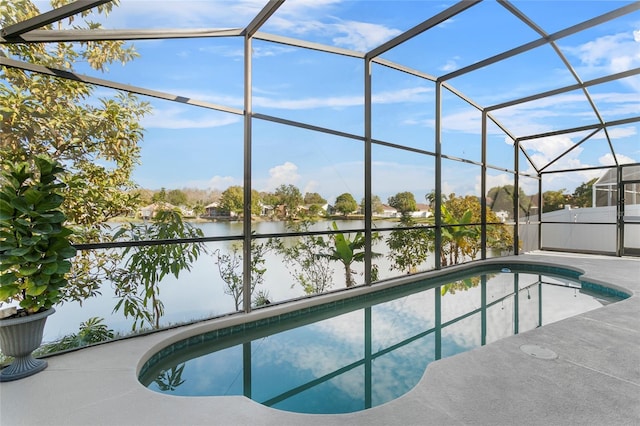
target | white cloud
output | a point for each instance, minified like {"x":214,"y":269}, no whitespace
{"x":607,"y":159}
{"x":609,"y":54}
{"x":617,"y":133}
{"x":414,"y":94}
{"x":283,"y":174}
{"x":450,"y":65}
{"x":301,"y":19}
{"x":184,"y":14}
{"x":362,"y":36}
{"x":501,"y":179}
{"x":174,"y":118}
{"x":219,"y":183}
{"x":309,"y":103}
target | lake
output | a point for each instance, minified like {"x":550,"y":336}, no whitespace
{"x":199,"y":293}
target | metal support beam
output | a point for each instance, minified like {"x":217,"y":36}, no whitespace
{"x":289,"y":41}
{"x":56,"y":72}
{"x":422,"y":27}
{"x":483,"y":189}
{"x":54,"y":36}
{"x":438,"y":177}
{"x":246,"y":220}
{"x":368,"y":236}
{"x":570,"y":149}
{"x":537,"y":43}
{"x":570,"y":88}
{"x":262,"y":17}
{"x":47,"y":18}
{"x":582,"y":128}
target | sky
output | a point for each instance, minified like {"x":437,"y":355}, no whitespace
{"x":187,"y":146}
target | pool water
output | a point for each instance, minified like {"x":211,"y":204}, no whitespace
{"x":360,"y":355}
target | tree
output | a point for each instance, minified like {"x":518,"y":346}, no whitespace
{"x":96,"y":137}
{"x":290,"y":198}
{"x":269,"y":198}
{"x":376,"y":205}
{"x":137,"y":283}
{"x":177,"y":197}
{"x":501,"y":198}
{"x":314,"y":198}
{"x":582,"y":195}
{"x":347,"y":251}
{"x":90,"y":331}
{"x":160,"y":196}
{"x":460,"y":238}
{"x":305,"y":262}
{"x":345,"y":204}
{"x":230,"y":269}
{"x":409,"y":248}
{"x":232,"y":200}
{"x":404,"y":202}
{"x":553,"y":200}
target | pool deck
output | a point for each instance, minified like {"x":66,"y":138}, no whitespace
{"x":594,"y":380}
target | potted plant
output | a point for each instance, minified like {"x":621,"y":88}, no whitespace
{"x":34,"y":253}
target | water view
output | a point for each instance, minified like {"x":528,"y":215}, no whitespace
{"x":200,"y":293}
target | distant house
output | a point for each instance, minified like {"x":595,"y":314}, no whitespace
{"x":423,"y":210}
{"x":387,"y":211}
{"x":150,"y":211}
{"x":305,"y":208}
{"x":214,"y":210}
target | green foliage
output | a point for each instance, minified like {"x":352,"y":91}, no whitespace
{"x":345,"y":204}
{"x":460,"y":285}
{"x":91,"y":331}
{"x":160,"y":196}
{"x":305,"y":260}
{"x":95,"y":137}
{"x":177,"y":197}
{"x":460,"y":238}
{"x":501,"y":198}
{"x":376,"y":205}
{"x":170,"y":380}
{"x":232,"y":200}
{"x":137,"y":283}
{"x":582,"y":195}
{"x":261,"y":298}
{"x":347,"y":251}
{"x":553,"y":200}
{"x":409,"y":248}
{"x":230,"y":269}
{"x":404,"y":202}
{"x":34,"y":244}
{"x":290,"y":198}
{"x":314,"y":198}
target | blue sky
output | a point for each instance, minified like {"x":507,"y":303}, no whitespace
{"x":186,"y":146}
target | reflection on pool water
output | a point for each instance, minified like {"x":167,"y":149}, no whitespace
{"x":363,"y":353}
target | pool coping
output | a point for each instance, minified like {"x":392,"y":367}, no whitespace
{"x":594,"y":380}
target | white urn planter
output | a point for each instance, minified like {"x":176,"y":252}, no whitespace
{"x":19,"y":337}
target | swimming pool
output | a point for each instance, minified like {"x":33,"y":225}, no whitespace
{"x":360,"y":352}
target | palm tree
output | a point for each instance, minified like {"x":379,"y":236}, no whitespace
{"x":348,"y":251}
{"x":457,"y":238}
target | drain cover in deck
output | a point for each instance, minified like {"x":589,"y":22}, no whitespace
{"x":538,"y":352}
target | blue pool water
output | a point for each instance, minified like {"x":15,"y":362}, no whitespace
{"x":362,"y":352}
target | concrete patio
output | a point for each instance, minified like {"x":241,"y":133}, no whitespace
{"x":594,"y":380}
